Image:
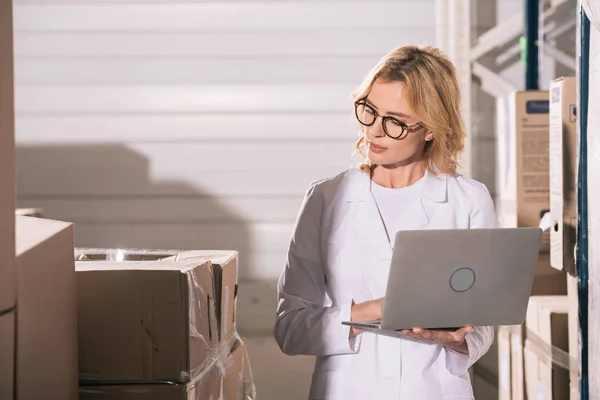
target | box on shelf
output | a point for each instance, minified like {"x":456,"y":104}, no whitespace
{"x":547,"y":328}
{"x":143,"y":319}
{"x":523,"y":183}
{"x":548,"y":281}
{"x":47,"y":309}
{"x":7,"y":348}
{"x":518,"y":337}
{"x":517,"y":363}
{"x":563,"y":172}
{"x":504,"y":363}
{"x":574,"y":339}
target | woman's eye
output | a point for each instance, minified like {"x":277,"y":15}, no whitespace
{"x":397,"y":123}
{"x":369,"y":111}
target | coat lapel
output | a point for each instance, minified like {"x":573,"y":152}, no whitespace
{"x":358,"y":191}
{"x":368,"y":217}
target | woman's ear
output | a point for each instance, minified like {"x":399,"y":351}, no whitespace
{"x":429,"y":136}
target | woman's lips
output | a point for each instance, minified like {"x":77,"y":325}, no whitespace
{"x":376,"y":148}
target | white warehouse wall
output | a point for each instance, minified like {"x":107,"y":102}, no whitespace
{"x":199,"y":124}
{"x":194,"y":124}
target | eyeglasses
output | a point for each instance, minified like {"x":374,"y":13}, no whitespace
{"x":366,"y":115}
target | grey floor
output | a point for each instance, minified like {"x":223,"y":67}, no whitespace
{"x":277,"y":376}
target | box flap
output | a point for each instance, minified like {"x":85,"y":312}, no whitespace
{"x":31,"y":231}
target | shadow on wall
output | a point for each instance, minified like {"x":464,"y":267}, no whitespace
{"x":109,"y":193}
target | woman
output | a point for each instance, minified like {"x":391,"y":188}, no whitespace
{"x":411,"y":136}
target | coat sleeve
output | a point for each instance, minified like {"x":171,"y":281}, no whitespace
{"x":481,"y":338}
{"x":304,"y":325}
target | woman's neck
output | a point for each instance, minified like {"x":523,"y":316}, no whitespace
{"x":399,"y":176}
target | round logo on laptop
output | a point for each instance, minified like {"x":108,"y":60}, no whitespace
{"x":462,"y":279}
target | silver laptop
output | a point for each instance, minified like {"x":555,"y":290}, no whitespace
{"x":446,"y":279}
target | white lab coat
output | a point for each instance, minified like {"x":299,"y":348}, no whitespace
{"x":339,"y":255}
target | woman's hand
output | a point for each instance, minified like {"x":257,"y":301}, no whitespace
{"x":367,"y":311}
{"x":454,"y":340}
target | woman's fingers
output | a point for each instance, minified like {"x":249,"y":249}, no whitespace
{"x":460,"y":334}
{"x":432,"y":335}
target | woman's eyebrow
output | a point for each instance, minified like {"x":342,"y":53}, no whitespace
{"x":369,"y":102}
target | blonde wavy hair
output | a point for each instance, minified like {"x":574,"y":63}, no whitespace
{"x":433,"y":93}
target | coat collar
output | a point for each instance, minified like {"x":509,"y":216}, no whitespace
{"x":435,"y":187}
{"x":358,"y":190}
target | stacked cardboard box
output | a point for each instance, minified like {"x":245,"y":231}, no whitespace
{"x":236,"y":384}
{"x":511,"y":363}
{"x":574,"y":334}
{"x":8,"y":271}
{"x":148,"y":318}
{"x":541,"y":367}
{"x":564,"y":151}
{"x":46,"y":352}
{"x":563,"y":173}
{"x":504,"y":363}
{"x":547,"y":336}
{"x":523,"y":175}
{"x":523,"y":198}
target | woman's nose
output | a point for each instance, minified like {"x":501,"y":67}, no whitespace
{"x":376,"y":130}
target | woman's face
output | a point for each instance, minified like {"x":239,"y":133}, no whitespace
{"x":389,"y":99}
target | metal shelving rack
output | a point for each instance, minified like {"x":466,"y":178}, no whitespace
{"x":582,"y":200}
{"x":530,"y":32}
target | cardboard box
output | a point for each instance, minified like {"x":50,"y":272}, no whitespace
{"x":7,"y":355}
{"x":224,"y":264}
{"x":238,"y":382}
{"x":547,"y":320}
{"x":225,"y":270}
{"x":563,"y":173}
{"x":8,"y":271}
{"x":135,"y":392}
{"x":47,"y":310}
{"x":210,"y":391}
{"x":518,"y":336}
{"x":523,"y":183}
{"x":548,"y":281}
{"x":574,"y":339}
{"x":504,"y":363}
{"x":144,"y":321}
{"x":517,"y":363}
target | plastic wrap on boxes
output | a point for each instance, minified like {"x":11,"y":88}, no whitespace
{"x":225,"y":371}
{"x":226,"y":359}
{"x":238,"y":382}
{"x":225,"y":274}
{"x":550,"y":371}
{"x":224,"y":265}
{"x":229,"y":375}
{"x":552,"y":354}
